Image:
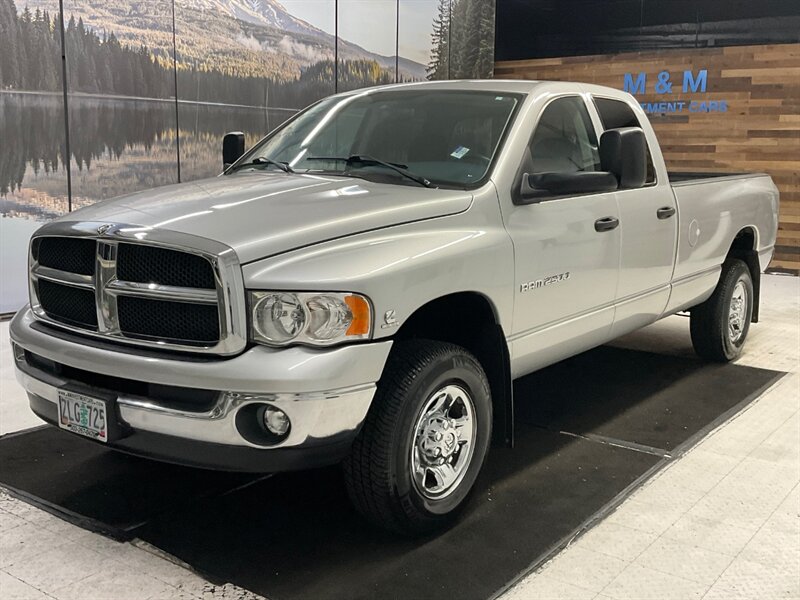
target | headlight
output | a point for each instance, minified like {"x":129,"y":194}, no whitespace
{"x":318,"y":319}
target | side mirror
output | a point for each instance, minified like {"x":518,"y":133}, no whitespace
{"x":232,"y":148}
{"x":623,"y":152}
{"x":538,"y":186}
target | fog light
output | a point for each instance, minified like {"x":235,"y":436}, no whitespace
{"x":276,"y":421}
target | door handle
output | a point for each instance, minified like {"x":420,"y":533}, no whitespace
{"x":606,"y":224}
{"x":665,"y":212}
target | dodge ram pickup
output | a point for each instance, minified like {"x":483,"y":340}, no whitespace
{"x":364,"y":284}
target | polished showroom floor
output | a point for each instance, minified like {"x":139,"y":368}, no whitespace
{"x":721,"y":522}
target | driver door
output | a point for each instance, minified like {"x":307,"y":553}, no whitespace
{"x":566,"y":253}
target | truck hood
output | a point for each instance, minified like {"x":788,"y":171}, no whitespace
{"x":261,"y":214}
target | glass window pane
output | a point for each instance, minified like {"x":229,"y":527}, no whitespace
{"x":422,"y":31}
{"x":367,"y":43}
{"x":472,"y":39}
{"x":564,"y":140}
{"x":446,"y":136}
{"x":33,"y":176}
{"x":615,"y":114}
{"x":121,"y":99}
{"x":247,"y":71}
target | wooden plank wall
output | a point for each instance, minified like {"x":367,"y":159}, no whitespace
{"x":759,"y":132}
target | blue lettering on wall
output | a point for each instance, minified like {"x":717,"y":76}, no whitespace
{"x":664,"y":85}
{"x":692,"y":83}
{"x":689,"y":82}
{"x":712,"y":106}
{"x":637,"y":87}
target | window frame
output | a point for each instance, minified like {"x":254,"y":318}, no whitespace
{"x":515,"y":191}
{"x":652,"y":164}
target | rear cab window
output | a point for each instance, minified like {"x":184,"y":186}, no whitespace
{"x":615,"y":114}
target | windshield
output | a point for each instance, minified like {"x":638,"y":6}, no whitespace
{"x":445,"y":137}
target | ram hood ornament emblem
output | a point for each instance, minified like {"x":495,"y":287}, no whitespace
{"x":103,"y":228}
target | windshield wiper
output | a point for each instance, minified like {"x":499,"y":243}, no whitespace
{"x":260,"y":160}
{"x":366,"y":159}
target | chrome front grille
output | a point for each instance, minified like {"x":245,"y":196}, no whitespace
{"x":138,"y":286}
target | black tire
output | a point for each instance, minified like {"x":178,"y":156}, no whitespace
{"x":378,"y":471}
{"x":709,"y":322}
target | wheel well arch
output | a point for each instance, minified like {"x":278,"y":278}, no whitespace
{"x":470,"y":320}
{"x":745,"y":247}
{"x":745,"y":239}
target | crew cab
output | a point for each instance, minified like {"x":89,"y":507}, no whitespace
{"x":364,"y":284}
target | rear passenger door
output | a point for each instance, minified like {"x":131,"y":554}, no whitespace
{"x":565,"y":264}
{"x":649,"y":225}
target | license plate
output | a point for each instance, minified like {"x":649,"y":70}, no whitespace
{"x":83,"y":415}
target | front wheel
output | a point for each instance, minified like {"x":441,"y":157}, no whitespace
{"x":424,"y":440}
{"x":719,"y":326}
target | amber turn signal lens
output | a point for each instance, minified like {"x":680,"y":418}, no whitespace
{"x":359,"y":307}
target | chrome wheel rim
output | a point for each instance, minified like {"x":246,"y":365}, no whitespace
{"x":443,"y":442}
{"x":737,"y":315}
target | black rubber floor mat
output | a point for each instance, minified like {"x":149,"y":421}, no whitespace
{"x":295,"y":535}
{"x":97,"y":488}
{"x":647,"y":399}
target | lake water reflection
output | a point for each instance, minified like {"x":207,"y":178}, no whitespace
{"x":117,"y":146}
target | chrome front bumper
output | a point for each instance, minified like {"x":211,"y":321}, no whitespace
{"x":325,"y":393}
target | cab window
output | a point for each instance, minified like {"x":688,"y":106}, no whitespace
{"x":615,"y":114}
{"x":564,"y":139}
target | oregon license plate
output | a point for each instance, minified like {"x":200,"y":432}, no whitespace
{"x":83,"y":415}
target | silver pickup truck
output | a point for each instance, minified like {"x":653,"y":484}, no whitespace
{"x":365,"y":283}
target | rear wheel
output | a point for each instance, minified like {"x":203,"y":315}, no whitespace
{"x":719,"y":326}
{"x":425,"y":438}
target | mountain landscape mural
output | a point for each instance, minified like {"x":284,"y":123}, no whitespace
{"x":239,"y":38}
{"x":149,"y":101}
{"x":231,"y":64}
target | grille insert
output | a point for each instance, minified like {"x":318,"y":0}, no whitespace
{"x":173,"y":291}
{"x":151,"y":264}
{"x":74,"y":255}
{"x":67,"y":304}
{"x":192,"y":323}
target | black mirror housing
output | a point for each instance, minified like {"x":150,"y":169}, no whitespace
{"x":623,"y":152}
{"x":540,"y":186}
{"x":232,"y":148}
